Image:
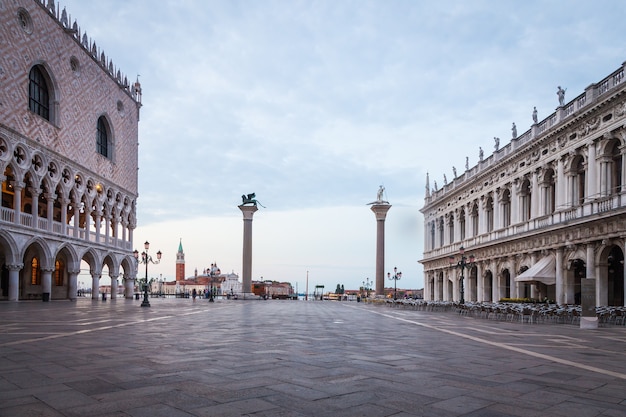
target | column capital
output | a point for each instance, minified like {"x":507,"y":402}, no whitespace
{"x":380,"y":210}
{"x":14,"y":267}
{"x":248,"y":211}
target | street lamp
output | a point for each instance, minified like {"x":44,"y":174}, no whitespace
{"x":396,"y":276}
{"x":465,"y":262}
{"x":367,"y":284}
{"x":146,"y":259}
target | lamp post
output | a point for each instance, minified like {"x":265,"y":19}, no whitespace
{"x":211,"y":275}
{"x":465,"y":262}
{"x":367,"y":285}
{"x":146,"y":259}
{"x":396,"y":276}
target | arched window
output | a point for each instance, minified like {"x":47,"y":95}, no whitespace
{"x":35,"y":274}
{"x":506,"y":208}
{"x":474,"y":216}
{"x":579,"y":182}
{"x":462,"y":223}
{"x":525,"y":199}
{"x":58,"y":273}
{"x":441,"y":226}
{"x":102,"y":138}
{"x":38,"y":93}
{"x":489,"y":213}
{"x":549,"y":192}
{"x":616,"y":169}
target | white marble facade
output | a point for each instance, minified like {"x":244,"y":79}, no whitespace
{"x":554,"y":197}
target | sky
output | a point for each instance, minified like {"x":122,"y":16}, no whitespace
{"x":313,"y":105}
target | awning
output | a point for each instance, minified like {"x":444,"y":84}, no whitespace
{"x":543,"y":271}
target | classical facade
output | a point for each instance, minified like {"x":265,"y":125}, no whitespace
{"x":68,"y":157}
{"x":542,"y":215}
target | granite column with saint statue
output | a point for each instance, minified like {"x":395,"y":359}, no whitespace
{"x":380,"y":208}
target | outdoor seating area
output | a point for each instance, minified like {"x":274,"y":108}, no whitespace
{"x":536,"y":313}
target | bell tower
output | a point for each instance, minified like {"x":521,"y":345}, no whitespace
{"x":180,"y":262}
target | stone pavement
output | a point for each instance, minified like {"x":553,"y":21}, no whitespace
{"x":298,"y":358}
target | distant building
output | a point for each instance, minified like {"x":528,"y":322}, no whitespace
{"x":210,"y":278}
{"x":68,"y":157}
{"x":180,"y":262}
{"x":273,"y":289}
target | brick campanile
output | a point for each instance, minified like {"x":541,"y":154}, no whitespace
{"x":180,"y":262}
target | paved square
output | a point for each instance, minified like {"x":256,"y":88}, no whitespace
{"x":295,"y":358}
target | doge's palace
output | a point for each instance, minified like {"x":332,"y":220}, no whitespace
{"x":68,"y":156}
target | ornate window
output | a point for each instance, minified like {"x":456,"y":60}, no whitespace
{"x":35,"y":272}
{"x":474,"y":217}
{"x":525,"y":200}
{"x":462,"y":224}
{"x":38,"y":93}
{"x":506,"y":208}
{"x":616,"y":169}
{"x":59,"y":268}
{"x":489,"y":213}
{"x":102,"y":137}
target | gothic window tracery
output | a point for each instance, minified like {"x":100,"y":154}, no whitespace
{"x":38,"y":93}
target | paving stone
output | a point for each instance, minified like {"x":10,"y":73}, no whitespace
{"x":298,"y":359}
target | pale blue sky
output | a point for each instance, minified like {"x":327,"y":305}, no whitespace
{"x":314,"y":104}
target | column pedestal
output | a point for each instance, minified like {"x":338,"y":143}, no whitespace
{"x":380,"y":209}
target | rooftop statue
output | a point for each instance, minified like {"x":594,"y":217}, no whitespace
{"x":561,"y":93}
{"x":379,"y":196}
{"x":535,"y":115}
{"x":250,"y":199}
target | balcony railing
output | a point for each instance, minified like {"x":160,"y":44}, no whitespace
{"x":7,"y":215}
{"x":562,"y":216}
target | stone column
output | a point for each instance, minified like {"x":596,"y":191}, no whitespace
{"x":73,"y":283}
{"x":50,"y":197}
{"x":95,"y":285}
{"x":559,"y":276}
{"x":14,"y":281}
{"x":46,"y":283}
{"x":129,"y":287}
{"x":380,"y":210}
{"x":114,"y":284}
{"x":246,"y":269}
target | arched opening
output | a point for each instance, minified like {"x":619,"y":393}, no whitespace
{"x":525,"y":287}
{"x":577,"y":272}
{"x":505,"y":285}
{"x":471,"y":290}
{"x":8,"y":193}
{"x":488,"y":286}
{"x":615,"y":275}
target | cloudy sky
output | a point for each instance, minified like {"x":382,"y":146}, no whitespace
{"x":314,"y":104}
